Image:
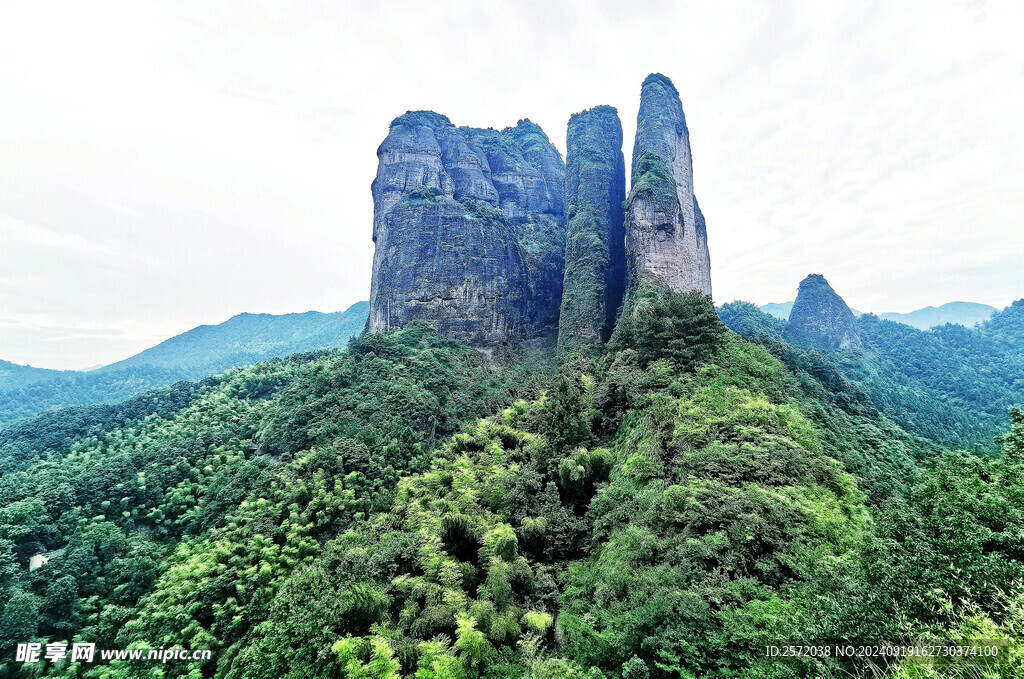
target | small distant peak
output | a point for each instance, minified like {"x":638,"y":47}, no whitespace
{"x":427,"y":118}
{"x":659,"y":79}
{"x":821,"y":317}
{"x":813,"y":282}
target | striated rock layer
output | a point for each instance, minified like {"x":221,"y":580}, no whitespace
{"x":469,"y":229}
{"x":666,"y":239}
{"x":595,"y":256}
{"x":821,"y":318}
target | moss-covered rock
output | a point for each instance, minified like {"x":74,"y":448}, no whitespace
{"x":821,"y":318}
{"x":595,"y":257}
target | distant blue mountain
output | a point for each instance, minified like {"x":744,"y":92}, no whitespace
{"x":193,"y":355}
{"x":960,"y":313}
{"x":778,"y":309}
{"x":249,"y":338}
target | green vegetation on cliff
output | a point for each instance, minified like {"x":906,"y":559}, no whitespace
{"x":595,"y":256}
{"x":652,"y":178}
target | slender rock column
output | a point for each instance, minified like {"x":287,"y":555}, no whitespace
{"x":595,"y":256}
{"x":666,"y":239}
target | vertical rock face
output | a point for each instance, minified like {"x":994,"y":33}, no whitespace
{"x":666,"y":239}
{"x":595,"y":257}
{"x":469,"y":230}
{"x":821,"y":318}
{"x":488,"y":236}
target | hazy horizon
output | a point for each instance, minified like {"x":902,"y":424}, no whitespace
{"x":171,"y":165}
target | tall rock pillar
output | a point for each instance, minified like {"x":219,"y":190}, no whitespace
{"x":666,"y":239}
{"x":595,"y":255}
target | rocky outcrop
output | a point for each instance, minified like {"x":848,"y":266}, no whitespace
{"x":595,"y":257}
{"x":472,"y":232}
{"x":666,"y":239}
{"x":469,"y":230}
{"x":821,"y":318}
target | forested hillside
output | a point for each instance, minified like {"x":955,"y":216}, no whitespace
{"x":207,"y":350}
{"x":13,"y":376}
{"x":409,"y":507}
{"x":250,"y":338}
{"x":952,"y":384}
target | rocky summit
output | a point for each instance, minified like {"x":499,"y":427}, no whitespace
{"x":595,"y":256}
{"x":821,"y":318}
{"x":469,"y":228}
{"x":666,"y":238}
{"x":479,"y":231}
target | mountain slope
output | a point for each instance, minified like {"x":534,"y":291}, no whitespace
{"x":778,"y":309}
{"x":665,"y":510}
{"x":207,"y":350}
{"x":13,"y":376}
{"x":951,"y":384}
{"x":249,"y":338}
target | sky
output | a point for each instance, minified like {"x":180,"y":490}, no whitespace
{"x":170,"y":164}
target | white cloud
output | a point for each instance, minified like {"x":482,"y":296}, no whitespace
{"x":171,"y":164}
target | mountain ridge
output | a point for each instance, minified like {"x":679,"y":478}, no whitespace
{"x":17,"y":375}
{"x":244,"y":339}
{"x":925,"y":318}
{"x":305,"y":329}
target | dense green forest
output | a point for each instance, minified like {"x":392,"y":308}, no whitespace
{"x":72,"y":388}
{"x":207,"y":350}
{"x":14,"y":376}
{"x":951,"y":384}
{"x":409,"y":507}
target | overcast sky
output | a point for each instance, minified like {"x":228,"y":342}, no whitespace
{"x":169,"y":164}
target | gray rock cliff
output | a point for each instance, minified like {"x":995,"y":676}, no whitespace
{"x":821,"y":318}
{"x":595,"y":256}
{"x":666,"y":238}
{"x":469,"y":230}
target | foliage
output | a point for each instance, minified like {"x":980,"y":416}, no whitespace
{"x":483,"y":211}
{"x":422,"y":195}
{"x":179,"y":526}
{"x":682,"y":328}
{"x":409,"y":507}
{"x":952,"y":385}
{"x":652,"y":178}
